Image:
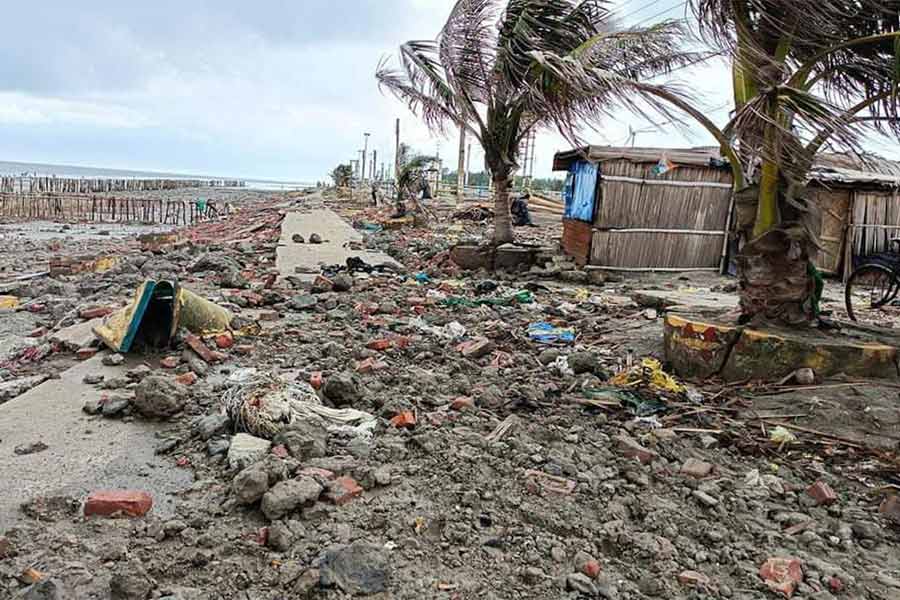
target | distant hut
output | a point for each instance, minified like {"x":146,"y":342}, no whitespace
{"x":670,"y":209}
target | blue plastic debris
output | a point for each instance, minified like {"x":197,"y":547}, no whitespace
{"x":545,"y":333}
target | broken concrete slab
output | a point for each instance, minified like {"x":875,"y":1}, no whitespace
{"x":83,"y":453}
{"x":77,"y":336}
{"x":700,"y":347}
{"x":685,"y":300}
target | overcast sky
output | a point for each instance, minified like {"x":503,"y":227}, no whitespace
{"x":279,"y":89}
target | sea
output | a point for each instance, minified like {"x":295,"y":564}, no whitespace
{"x":25,"y":169}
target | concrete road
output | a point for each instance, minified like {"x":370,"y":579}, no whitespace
{"x":336,"y":234}
{"x":85,"y":453}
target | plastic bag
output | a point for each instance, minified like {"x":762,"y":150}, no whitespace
{"x":545,"y":333}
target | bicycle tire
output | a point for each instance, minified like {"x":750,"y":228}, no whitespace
{"x":888,"y":275}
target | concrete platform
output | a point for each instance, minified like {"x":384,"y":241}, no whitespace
{"x":699,"y":348}
{"x":337,"y":235}
{"x":85,"y":453}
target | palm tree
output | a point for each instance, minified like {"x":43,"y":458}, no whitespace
{"x":501,"y":68}
{"x":806,"y":73}
{"x":342,"y":175}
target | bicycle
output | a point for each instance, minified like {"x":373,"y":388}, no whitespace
{"x":873,"y":287}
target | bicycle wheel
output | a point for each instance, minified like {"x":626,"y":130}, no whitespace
{"x":870,"y":293}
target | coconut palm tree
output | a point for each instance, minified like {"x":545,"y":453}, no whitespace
{"x":501,"y":68}
{"x":806,"y":73}
{"x":411,"y":176}
{"x":342,"y":175}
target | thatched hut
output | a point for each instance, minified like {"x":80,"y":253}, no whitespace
{"x":669,"y":209}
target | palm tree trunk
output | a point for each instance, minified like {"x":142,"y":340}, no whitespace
{"x":503,"y":231}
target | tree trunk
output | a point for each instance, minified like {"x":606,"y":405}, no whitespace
{"x":503,"y":231}
{"x":775,"y":281}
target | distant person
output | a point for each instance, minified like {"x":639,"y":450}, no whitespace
{"x":521,"y":216}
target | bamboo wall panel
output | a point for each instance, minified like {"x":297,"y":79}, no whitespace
{"x":687,"y":209}
{"x":876,"y":221}
{"x":79,"y":208}
{"x":834,"y":206}
{"x":96,"y":186}
{"x":638,"y":250}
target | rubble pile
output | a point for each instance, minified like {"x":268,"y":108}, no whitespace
{"x":436,"y":433}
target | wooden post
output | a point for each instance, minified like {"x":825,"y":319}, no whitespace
{"x":397,"y":152}
{"x":460,"y":177}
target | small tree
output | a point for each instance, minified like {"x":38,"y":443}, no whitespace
{"x":806,"y":73}
{"x":342,"y":175}
{"x":411,"y":176}
{"x":501,"y":68}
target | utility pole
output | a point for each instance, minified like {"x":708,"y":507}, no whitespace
{"x":468,"y":163}
{"x":533,"y":151}
{"x":365,"y":151}
{"x":460,"y":177}
{"x":374,"y":163}
{"x":397,"y":153}
{"x":361,"y":175}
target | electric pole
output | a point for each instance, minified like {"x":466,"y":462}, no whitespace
{"x":374,"y":163}
{"x":365,"y":151}
{"x":397,"y":153}
{"x":468,"y":163}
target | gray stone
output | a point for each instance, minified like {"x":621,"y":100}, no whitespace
{"x":92,"y":406}
{"x":583,"y":362}
{"x":113,"y":360}
{"x":92,"y":379}
{"x":281,"y":538}
{"x":211,"y":426}
{"x":303,"y":302}
{"x":115,"y":406}
{"x":217,"y":446}
{"x":246,"y":450}
{"x":581,"y":583}
{"x":298,"y":239}
{"x":195,"y":363}
{"x":233,"y":279}
{"x":215,"y":261}
{"x":342,"y":389}
{"x":47,"y":589}
{"x":306,"y":438}
{"x":315,"y":239}
{"x":358,"y":569}
{"x":549,"y":356}
{"x":129,"y":582}
{"x":115,"y":383}
{"x":342,"y":283}
{"x":158,"y":396}
{"x":139,"y":372}
{"x":250,"y":485}
{"x":288,"y":496}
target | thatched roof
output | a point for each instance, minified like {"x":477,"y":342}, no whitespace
{"x":829,"y":168}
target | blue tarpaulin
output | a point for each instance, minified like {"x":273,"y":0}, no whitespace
{"x":581,"y":187}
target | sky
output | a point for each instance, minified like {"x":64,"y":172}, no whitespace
{"x":274,"y":89}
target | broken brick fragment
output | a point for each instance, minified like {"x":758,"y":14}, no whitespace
{"x":95,"y":312}
{"x":696,"y":469}
{"x":243,"y":349}
{"x":106,"y":503}
{"x":224,"y":341}
{"x":463,"y":403}
{"x":782,"y":575}
{"x":316,"y":473}
{"x":693,"y":579}
{"x":405,"y":419}
{"x":370,"y":365}
{"x":169,"y":362}
{"x":39,"y":332}
{"x":890,"y":508}
{"x":280,"y":451}
{"x":342,"y":490}
{"x":591,"y":568}
{"x":822,"y":493}
{"x":86,"y":353}
{"x":197,"y":345}
{"x":189,"y":378}
{"x":316,"y":380}
{"x":476,"y":349}
{"x":379,"y":345}
{"x":630,"y":448}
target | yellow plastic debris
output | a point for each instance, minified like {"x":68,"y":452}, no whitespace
{"x":8,"y":302}
{"x":780,"y":436}
{"x":582,"y":295}
{"x":648,"y":372}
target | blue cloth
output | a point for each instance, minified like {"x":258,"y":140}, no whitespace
{"x":581,"y":190}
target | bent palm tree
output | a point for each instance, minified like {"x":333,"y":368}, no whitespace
{"x":501,"y":68}
{"x":411,"y":176}
{"x":806,"y":73}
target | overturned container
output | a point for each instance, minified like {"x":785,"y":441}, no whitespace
{"x":155,"y":314}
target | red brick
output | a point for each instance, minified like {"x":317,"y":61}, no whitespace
{"x":476,"y":349}
{"x":107,"y":503}
{"x":170,"y":362}
{"x":370,"y":365}
{"x":822,"y":493}
{"x":782,"y":575}
{"x":835,"y":585}
{"x":322,"y":284}
{"x":189,"y":378}
{"x":631,"y":449}
{"x":380,"y":345}
{"x":405,"y":419}
{"x":693,"y":578}
{"x":39,"y":332}
{"x":890,"y":508}
{"x":463,"y":403}
{"x":224,"y":341}
{"x":269,"y":316}
{"x":280,"y":451}
{"x":342,"y":490}
{"x":591,"y":568}
{"x":197,"y":345}
{"x":696,"y":468}
{"x":30,"y":576}
{"x":86,"y":353}
{"x":316,"y":473}
{"x":95,"y":312}
{"x":316,"y":380}
{"x":243,"y":349}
